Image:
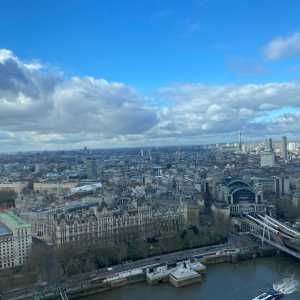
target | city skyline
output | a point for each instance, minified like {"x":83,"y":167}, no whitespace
{"x":147,"y":73}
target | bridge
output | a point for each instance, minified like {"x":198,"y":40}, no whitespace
{"x":63,"y":294}
{"x":274,"y":233}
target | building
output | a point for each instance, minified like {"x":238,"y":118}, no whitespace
{"x":97,"y":222}
{"x":91,"y":169}
{"x":284,"y":151}
{"x":267,"y":159}
{"x":282,"y":185}
{"x":237,"y":197}
{"x":193,"y":212}
{"x":53,"y":187}
{"x":292,"y":146}
{"x":16,"y":187}
{"x":269,"y":145}
{"x":296,"y":199}
{"x":87,"y":188}
{"x":15,"y":240}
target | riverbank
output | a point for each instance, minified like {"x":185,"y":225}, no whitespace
{"x":227,"y":281}
{"x":218,"y":257}
{"x":94,"y":282}
{"x":99,"y":284}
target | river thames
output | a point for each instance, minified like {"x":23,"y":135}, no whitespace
{"x":242,"y":281}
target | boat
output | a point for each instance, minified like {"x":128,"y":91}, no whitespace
{"x":270,"y":295}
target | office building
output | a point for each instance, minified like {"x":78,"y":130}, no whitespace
{"x":282,"y":185}
{"x":269,"y":145}
{"x":15,"y":240}
{"x":267,"y":159}
{"x":91,"y":169}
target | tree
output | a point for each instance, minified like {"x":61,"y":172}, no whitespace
{"x":44,"y":262}
{"x":7,"y":199}
{"x":221,"y":225}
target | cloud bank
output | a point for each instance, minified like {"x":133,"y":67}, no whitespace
{"x":42,"y":109}
{"x":45,"y":106}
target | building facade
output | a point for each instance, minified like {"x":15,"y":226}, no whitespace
{"x":15,"y":240}
{"x":267,"y":159}
{"x":53,"y":187}
{"x":102,"y":224}
{"x":237,"y":197}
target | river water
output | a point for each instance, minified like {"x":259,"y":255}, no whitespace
{"x":242,"y":281}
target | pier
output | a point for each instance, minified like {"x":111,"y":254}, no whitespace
{"x":120,"y":275}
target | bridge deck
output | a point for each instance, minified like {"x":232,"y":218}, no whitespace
{"x":278,"y":246}
{"x":266,"y":229}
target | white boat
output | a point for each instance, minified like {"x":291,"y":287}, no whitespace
{"x":271,"y":295}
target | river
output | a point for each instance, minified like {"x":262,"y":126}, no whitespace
{"x":241,"y":281}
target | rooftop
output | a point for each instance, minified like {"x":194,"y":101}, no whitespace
{"x":11,"y":220}
{"x":181,"y":273}
{"x":4,"y":230}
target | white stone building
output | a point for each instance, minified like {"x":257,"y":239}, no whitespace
{"x":15,"y":240}
{"x":93,"y":222}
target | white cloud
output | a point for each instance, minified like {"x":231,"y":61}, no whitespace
{"x":96,"y":105}
{"x":45,"y":106}
{"x":40,"y":109}
{"x":199,"y":110}
{"x":283,"y":47}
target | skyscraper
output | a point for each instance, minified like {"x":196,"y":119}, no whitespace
{"x":269,"y":144}
{"x":240,"y":141}
{"x":284,"y":151}
{"x":267,"y":157}
{"x":91,"y":169}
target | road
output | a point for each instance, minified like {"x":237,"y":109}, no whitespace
{"x":85,"y":279}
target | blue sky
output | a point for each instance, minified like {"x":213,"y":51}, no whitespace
{"x":148,"y":44}
{"x":171,"y":57}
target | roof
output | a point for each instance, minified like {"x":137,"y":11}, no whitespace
{"x":78,"y":206}
{"x":86,"y":188}
{"x":183,"y":273}
{"x":11,"y":220}
{"x":238,"y":184}
{"x":4,"y":230}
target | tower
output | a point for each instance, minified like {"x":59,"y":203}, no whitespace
{"x":269,"y":144}
{"x":240,"y":141}
{"x":284,"y":152}
{"x":267,"y":157}
{"x":91,"y":169}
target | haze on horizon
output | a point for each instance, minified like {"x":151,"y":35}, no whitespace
{"x":137,"y":73}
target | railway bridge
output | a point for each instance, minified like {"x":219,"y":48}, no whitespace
{"x":63,"y":294}
{"x":274,"y":233}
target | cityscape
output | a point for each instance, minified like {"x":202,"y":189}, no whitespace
{"x":77,"y":221}
{"x":149,"y":149}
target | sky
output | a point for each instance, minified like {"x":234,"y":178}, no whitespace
{"x":101,"y":74}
